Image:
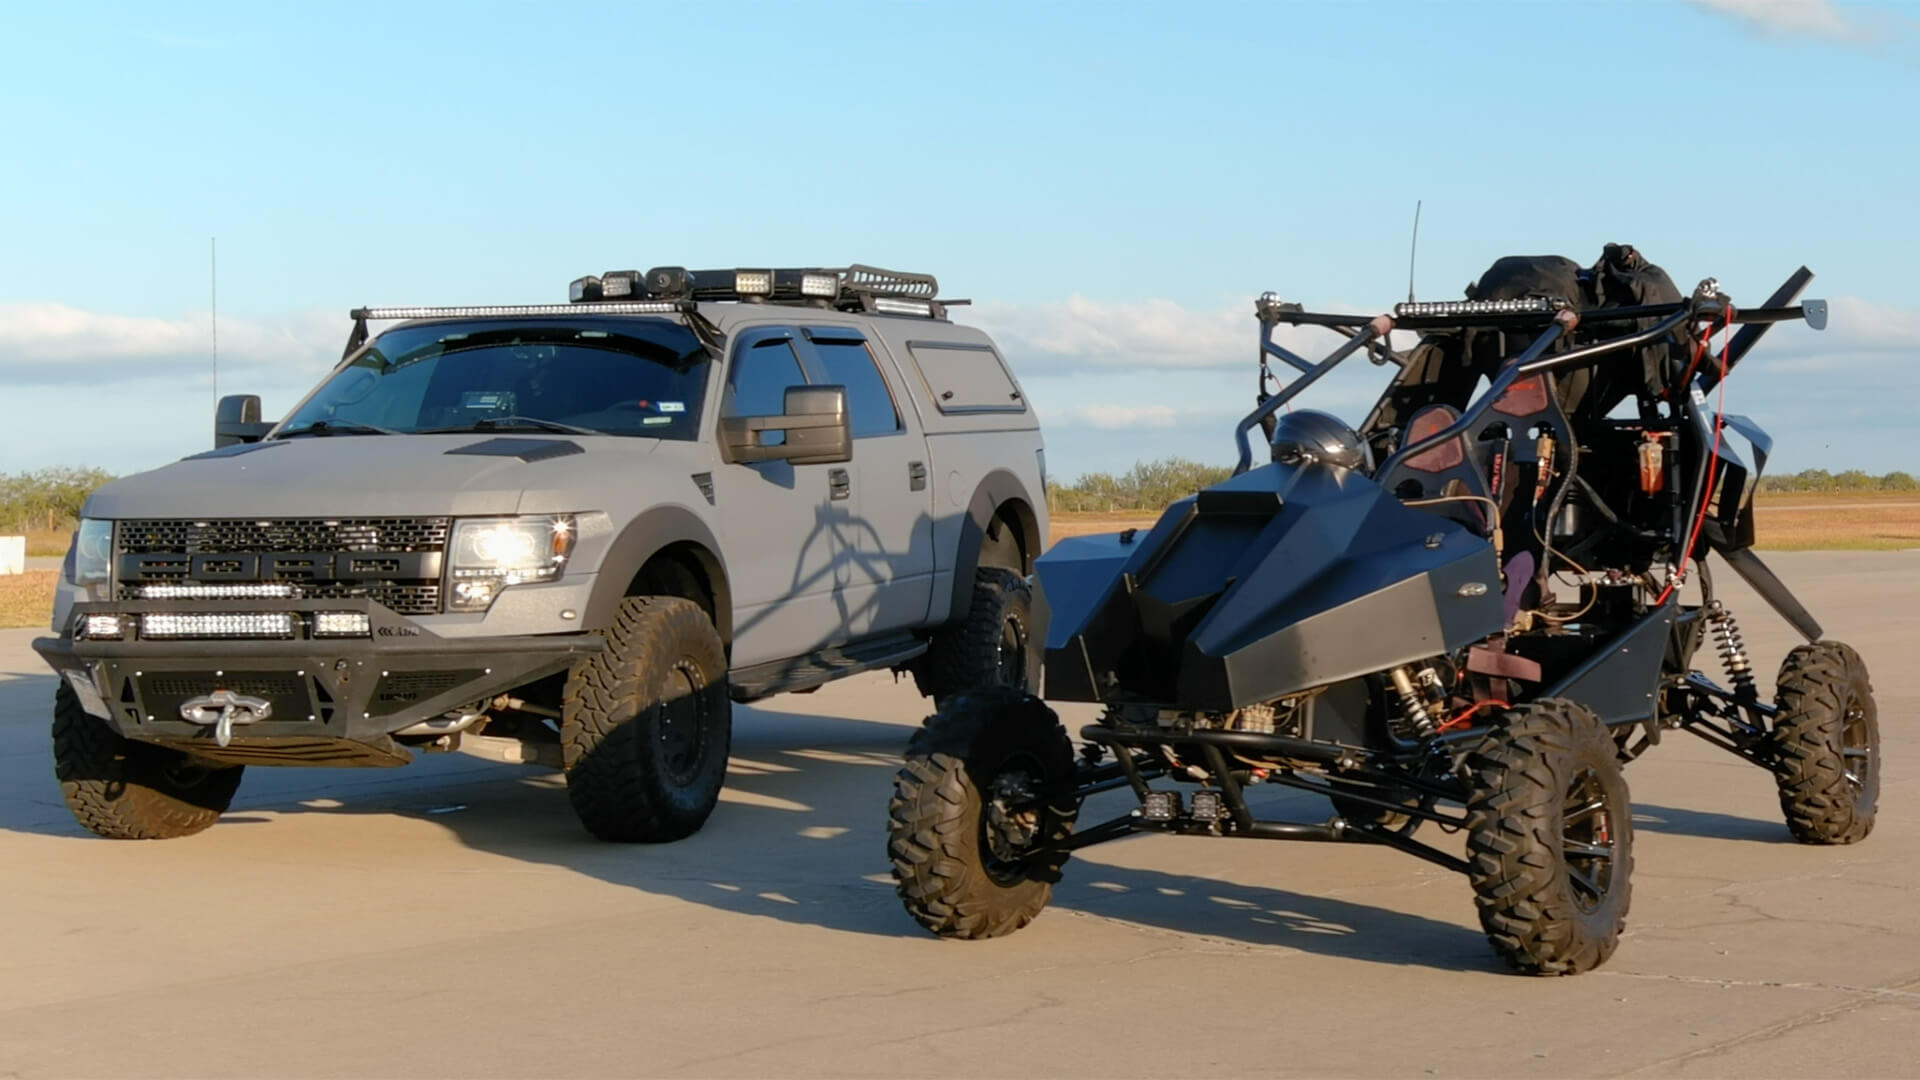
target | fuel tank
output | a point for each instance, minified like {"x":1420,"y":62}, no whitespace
{"x":1282,"y":579}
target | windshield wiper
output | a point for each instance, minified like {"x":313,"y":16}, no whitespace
{"x":501,"y":423}
{"x":337,"y":427}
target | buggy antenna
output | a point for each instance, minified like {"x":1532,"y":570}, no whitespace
{"x":1413,"y":249}
{"x":213,"y":309}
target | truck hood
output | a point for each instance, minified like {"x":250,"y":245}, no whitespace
{"x":379,"y":475}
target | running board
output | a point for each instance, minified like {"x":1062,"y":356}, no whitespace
{"x":816,"y":669}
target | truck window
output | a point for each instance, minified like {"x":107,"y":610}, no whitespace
{"x":966,"y":378}
{"x":757,"y":386}
{"x":869,"y":403}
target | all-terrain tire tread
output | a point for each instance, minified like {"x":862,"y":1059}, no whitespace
{"x":965,"y":656}
{"x":117,"y":788}
{"x":1807,"y":740}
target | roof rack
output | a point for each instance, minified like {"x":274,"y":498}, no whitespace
{"x":853,"y":288}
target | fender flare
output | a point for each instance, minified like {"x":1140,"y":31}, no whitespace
{"x":654,"y":530}
{"x":998,"y":488}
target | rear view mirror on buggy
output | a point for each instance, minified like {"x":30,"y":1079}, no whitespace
{"x":1466,"y":613}
{"x":815,"y":421}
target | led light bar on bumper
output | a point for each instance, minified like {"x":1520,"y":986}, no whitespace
{"x":178,"y":626}
{"x":490,"y":554}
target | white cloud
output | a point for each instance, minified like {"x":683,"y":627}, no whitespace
{"x":1789,"y":18}
{"x":50,"y":344}
{"x":1112,"y":417}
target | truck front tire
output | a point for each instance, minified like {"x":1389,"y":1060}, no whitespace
{"x":124,"y":789}
{"x":646,"y":724}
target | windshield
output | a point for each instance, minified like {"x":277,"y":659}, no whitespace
{"x":613,"y":376}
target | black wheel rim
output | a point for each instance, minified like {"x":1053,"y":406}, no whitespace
{"x":1010,"y":654}
{"x":1856,"y":749}
{"x":1587,"y":840}
{"x":1010,"y":820}
{"x":682,"y":728}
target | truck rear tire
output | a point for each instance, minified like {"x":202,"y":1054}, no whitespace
{"x":970,"y":859}
{"x":646,"y":724}
{"x":124,"y":789}
{"x":1826,"y":745}
{"x":992,"y":647}
{"x":1550,"y":839}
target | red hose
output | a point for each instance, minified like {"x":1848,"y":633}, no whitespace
{"x":1713,"y":460}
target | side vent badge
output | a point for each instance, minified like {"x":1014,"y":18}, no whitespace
{"x":704,"y":481}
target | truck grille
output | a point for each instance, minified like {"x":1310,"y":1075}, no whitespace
{"x":319,"y":555}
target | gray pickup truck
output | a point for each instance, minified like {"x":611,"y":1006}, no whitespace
{"x":569,"y":534}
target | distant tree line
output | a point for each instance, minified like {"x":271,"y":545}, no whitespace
{"x":1151,"y":485}
{"x":1851,"y":480}
{"x":49,"y":499}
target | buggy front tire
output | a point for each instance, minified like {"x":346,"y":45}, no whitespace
{"x":646,"y":724}
{"x":1550,"y":839}
{"x":124,"y":789}
{"x":1826,"y":745}
{"x":973,"y":854}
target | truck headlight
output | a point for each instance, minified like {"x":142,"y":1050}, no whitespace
{"x":90,"y":560}
{"x":490,"y":554}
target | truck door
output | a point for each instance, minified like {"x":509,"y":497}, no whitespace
{"x":781,"y":523}
{"x":887,"y":580}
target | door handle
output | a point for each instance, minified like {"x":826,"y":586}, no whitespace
{"x":916,"y":476}
{"x":839,"y":484}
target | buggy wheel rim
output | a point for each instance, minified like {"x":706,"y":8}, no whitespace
{"x":1856,"y":749}
{"x":681,"y":728}
{"x":1587,"y":840}
{"x":1010,"y":820}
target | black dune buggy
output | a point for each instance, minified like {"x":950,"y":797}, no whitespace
{"x":1468,"y":612}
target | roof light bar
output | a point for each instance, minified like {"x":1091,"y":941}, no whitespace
{"x":633,"y":307}
{"x":891,"y":305}
{"x":1527,"y":305}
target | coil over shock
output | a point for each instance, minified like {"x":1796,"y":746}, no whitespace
{"x":1413,"y":703}
{"x":1732,"y":649}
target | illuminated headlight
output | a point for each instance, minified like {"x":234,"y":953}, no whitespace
{"x":1528,"y":305}
{"x":250,"y":624}
{"x":753,"y":282}
{"x":92,"y":559}
{"x":823,"y":285}
{"x":342,"y":624}
{"x":489,"y":554}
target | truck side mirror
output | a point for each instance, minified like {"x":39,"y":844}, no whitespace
{"x":237,"y":420}
{"x":816,"y":424}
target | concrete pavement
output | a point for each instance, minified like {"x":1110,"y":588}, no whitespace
{"x":450,"y":918}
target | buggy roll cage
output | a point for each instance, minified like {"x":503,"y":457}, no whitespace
{"x":1707,"y":305}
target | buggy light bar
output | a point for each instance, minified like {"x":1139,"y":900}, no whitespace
{"x":630,"y":307}
{"x":1528,"y":305}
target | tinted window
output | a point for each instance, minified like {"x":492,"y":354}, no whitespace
{"x":869,"y":402}
{"x":631,"y":377}
{"x":758,"y":384}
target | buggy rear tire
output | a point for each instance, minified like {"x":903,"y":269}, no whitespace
{"x":968,"y":861}
{"x":991,"y":647}
{"x":124,"y":789}
{"x":646,"y":724}
{"x":1826,"y":745}
{"x":1550,"y":839}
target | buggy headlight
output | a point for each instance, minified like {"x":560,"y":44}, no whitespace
{"x":490,"y":554}
{"x":90,"y":560}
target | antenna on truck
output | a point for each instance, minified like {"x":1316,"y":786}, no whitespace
{"x":1414,"y":251}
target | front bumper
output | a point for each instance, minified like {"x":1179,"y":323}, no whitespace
{"x":332,"y":701}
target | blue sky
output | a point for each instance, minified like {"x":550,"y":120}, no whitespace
{"x":1111,"y":183}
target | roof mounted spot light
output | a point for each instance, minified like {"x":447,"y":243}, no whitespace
{"x":758,"y":283}
{"x":584,"y":290}
{"x":820,"y":285}
{"x":620,"y":284}
{"x":664,"y":281}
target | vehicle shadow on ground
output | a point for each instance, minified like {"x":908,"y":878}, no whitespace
{"x":799,"y":836}
{"x":1708,"y":824}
